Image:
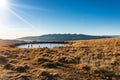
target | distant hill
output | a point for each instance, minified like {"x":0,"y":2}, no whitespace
{"x":9,"y":42}
{"x":61,"y":37}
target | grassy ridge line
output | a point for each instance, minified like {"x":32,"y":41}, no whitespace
{"x":96,"y":42}
{"x":10,"y":43}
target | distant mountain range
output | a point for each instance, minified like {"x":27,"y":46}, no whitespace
{"x":62,"y":37}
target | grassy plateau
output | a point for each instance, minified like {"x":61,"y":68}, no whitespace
{"x":78,"y":60}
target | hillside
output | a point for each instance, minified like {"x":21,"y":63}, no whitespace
{"x":80,"y":60}
{"x":62,"y":37}
{"x":9,"y":42}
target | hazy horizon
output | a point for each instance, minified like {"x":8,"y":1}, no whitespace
{"x":21,"y":18}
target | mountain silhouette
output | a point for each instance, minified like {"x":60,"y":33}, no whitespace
{"x":62,"y":37}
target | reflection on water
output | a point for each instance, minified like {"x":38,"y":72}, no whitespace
{"x":41,"y":45}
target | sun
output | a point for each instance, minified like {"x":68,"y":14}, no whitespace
{"x":4,"y":4}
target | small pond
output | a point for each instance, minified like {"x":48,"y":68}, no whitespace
{"x":41,"y":45}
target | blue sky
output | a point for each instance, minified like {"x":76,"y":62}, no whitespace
{"x":37,"y":17}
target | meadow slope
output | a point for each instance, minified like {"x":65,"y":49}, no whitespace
{"x":80,"y":60}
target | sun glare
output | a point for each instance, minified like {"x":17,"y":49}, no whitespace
{"x":8,"y":9}
{"x":3,"y":4}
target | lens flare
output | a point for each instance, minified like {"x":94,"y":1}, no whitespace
{"x":9,"y":9}
{"x":4,"y":4}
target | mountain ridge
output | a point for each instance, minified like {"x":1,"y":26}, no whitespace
{"x":62,"y":37}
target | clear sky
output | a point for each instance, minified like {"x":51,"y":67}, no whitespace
{"x":20,"y":18}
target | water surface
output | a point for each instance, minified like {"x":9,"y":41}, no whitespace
{"x":40,"y":45}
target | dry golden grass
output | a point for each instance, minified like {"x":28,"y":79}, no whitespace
{"x":80,"y":60}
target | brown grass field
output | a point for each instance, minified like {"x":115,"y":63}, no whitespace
{"x":79,"y":60}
